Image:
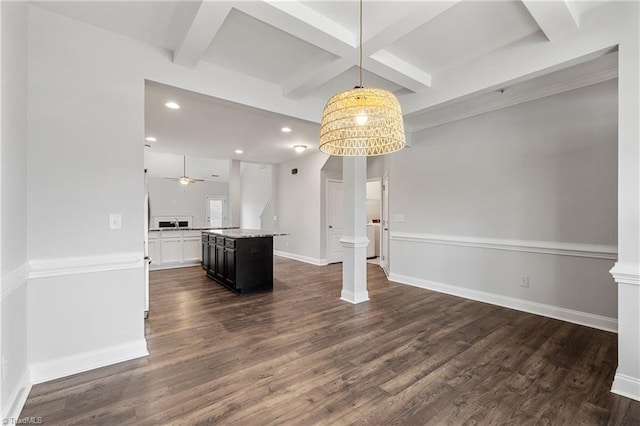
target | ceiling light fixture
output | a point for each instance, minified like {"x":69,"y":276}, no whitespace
{"x":239,"y":151}
{"x":362,"y":121}
{"x":299,"y":148}
{"x":172,"y":105}
{"x":151,"y":139}
{"x":286,"y":129}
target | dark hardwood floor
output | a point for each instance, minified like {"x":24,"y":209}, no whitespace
{"x":300,"y":356}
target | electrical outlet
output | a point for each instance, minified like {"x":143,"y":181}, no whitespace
{"x":524,"y":281}
{"x":4,"y":367}
{"x":115,"y":221}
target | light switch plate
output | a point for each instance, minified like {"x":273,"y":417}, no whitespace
{"x":398,"y":218}
{"x":115,"y":221}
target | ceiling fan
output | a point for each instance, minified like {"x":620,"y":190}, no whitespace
{"x":184,"y":179}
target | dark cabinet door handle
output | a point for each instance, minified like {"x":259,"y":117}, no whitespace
{"x":330,"y":227}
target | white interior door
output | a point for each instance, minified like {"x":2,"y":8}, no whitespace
{"x":384,"y":222}
{"x":216,"y":212}
{"x":335,"y":227}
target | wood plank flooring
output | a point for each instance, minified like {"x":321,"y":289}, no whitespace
{"x":300,"y":356}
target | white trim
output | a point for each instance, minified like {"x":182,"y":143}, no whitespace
{"x":354,"y":298}
{"x":564,"y":314}
{"x":86,"y":264}
{"x":18,"y":397}
{"x":305,"y":259}
{"x":626,"y":273}
{"x":13,"y":279}
{"x":626,"y":386}
{"x":354,"y":242}
{"x":161,"y":266}
{"x":78,"y":363}
{"x":508,"y":100}
{"x":544,"y":247}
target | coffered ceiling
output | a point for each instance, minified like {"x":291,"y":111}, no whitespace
{"x":429,"y":53}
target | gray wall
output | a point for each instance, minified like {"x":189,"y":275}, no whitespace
{"x":299,"y":207}
{"x":255,"y":193}
{"x":85,"y":150}
{"x":13,"y":190}
{"x":169,"y":198}
{"x":540,"y":171}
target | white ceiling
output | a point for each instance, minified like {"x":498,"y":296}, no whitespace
{"x":308,"y":51}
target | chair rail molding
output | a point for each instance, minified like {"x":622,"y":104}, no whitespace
{"x":13,"y":279}
{"x":544,"y":247}
{"x":44,"y":268}
{"x":626,"y":273}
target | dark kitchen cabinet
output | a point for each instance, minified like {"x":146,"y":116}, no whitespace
{"x":241,"y":264}
{"x":218,"y":268}
{"x":205,"y":252}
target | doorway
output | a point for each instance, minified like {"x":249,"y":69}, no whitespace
{"x":384,"y":222}
{"x":335,"y":226}
{"x":216,"y":211}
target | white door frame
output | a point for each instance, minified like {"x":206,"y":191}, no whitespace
{"x":379,"y":180}
{"x":225,"y":207}
{"x":327,"y":224}
{"x":384,"y":224}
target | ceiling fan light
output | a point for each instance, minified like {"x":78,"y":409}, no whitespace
{"x":184,"y":180}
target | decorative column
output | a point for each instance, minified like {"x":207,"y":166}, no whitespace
{"x":235,"y":185}
{"x":354,"y":239}
{"x":626,"y":271}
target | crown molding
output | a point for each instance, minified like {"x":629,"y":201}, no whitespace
{"x":508,"y":100}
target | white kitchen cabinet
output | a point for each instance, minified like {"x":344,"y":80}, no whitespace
{"x":192,"y":246}
{"x":174,"y":248}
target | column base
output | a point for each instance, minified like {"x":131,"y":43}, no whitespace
{"x":626,"y":386}
{"x":354,"y":298}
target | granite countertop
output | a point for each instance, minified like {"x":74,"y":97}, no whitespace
{"x":190,"y":229}
{"x":243,"y":233}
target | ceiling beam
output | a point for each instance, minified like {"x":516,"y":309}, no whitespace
{"x":203,"y":28}
{"x":418,"y":14}
{"x":381,"y":62}
{"x":555,"y":18}
{"x":306,"y":83}
{"x":302,"y":22}
{"x":398,"y":71}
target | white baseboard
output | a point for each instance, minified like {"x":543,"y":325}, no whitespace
{"x":626,"y":386}
{"x":569,"y":315}
{"x":18,"y":398}
{"x":66,"y":366}
{"x":354,"y":298}
{"x":305,"y":259}
{"x":160,"y":267}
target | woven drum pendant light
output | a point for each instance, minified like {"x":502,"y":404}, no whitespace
{"x":362,"y":121}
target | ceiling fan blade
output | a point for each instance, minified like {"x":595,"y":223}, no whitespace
{"x":196,"y":180}
{"x":169,"y":178}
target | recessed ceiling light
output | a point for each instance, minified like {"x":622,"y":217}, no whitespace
{"x":239,"y":151}
{"x":299,"y":148}
{"x":286,"y":129}
{"x":172,"y":105}
{"x":151,"y":139}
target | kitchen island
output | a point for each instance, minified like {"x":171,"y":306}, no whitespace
{"x":239,"y":259}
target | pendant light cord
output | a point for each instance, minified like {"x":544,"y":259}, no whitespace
{"x":361,"y":43}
